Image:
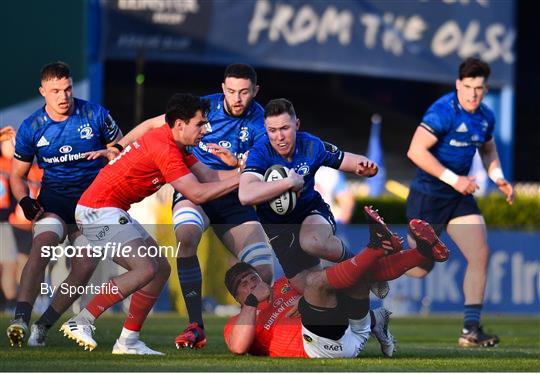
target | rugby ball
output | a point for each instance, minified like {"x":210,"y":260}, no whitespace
{"x":285,"y":203}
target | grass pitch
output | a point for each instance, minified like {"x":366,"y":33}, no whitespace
{"x":424,"y":345}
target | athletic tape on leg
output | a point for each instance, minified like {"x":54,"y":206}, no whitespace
{"x":256,"y":254}
{"x":188,"y":216}
{"x":49,"y":224}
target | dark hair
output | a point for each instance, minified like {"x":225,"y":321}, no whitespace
{"x":279,"y":106}
{"x":184,"y":106}
{"x":232,"y":274}
{"x":473,"y":67}
{"x":56,"y":70}
{"x":241,"y":71}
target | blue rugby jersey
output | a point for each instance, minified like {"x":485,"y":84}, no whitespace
{"x":310,"y":153}
{"x":237,"y":134}
{"x":459,"y":134}
{"x":60,"y":147}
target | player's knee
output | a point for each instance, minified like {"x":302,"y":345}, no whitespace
{"x":163,"y":268}
{"x":313,"y":244}
{"x":146,"y":271}
{"x":50,"y":224}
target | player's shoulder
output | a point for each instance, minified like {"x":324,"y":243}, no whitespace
{"x":486,"y":112}
{"x":89,"y":109}
{"x":306,"y":139}
{"x":34,"y":121}
{"x":215,"y":100}
{"x":447,"y":104}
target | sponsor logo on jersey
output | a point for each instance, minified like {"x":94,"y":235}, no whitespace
{"x":333,"y":347}
{"x":208,"y":126}
{"x":277,"y":302}
{"x":475,"y":138}
{"x":85,"y":131}
{"x":42,"y":142}
{"x":307,"y":338}
{"x":457,"y":143}
{"x":65,"y":149}
{"x":225,"y":144}
{"x":462,"y":128}
{"x":67,"y":157}
{"x":122,"y":220}
{"x":286,"y":288}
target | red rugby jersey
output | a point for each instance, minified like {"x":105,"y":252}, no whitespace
{"x":138,"y":171}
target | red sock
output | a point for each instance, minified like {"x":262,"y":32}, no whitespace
{"x":139,"y":307}
{"x":105,"y":300}
{"x":394,"y":266}
{"x":347,"y":273}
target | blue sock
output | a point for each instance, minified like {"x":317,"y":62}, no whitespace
{"x":471,"y":317}
{"x":190,"y":277}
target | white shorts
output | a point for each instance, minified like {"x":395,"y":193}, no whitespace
{"x":8,"y":244}
{"x":108,"y":225}
{"x":349,"y":345}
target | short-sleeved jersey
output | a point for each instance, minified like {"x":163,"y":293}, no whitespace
{"x":309,"y":154}
{"x":276,"y":335}
{"x":60,"y":147}
{"x":459,"y":134}
{"x":237,"y":134}
{"x":138,"y":171}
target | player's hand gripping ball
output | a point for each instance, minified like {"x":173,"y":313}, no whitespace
{"x":284,"y":203}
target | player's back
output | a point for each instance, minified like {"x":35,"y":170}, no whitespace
{"x":459,"y":133}
{"x":139,"y":171}
{"x":61,"y":147}
{"x":237,"y":134}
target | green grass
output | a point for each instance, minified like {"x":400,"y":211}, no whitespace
{"x":424,"y":345}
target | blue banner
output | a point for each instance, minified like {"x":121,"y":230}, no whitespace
{"x":513,"y":284}
{"x":414,"y":39}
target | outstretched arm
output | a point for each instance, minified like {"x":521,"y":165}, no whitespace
{"x":359,"y":165}
{"x":199,"y":193}
{"x":490,"y":159}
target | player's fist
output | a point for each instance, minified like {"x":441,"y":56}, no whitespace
{"x":466,"y":185}
{"x":506,"y":189}
{"x":297,"y":181}
{"x":6,"y":133}
{"x":32,"y":209}
{"x":262,"y":291}
{"x":366,"y":167}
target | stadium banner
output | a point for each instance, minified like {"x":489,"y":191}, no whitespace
{"x":415,"y":39}
{"x":513,"y":284}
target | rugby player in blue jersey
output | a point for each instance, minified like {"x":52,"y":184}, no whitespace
{"x":443,"y":147}
{"x":235,"y":123}
{"x":305,"y":235}
{"x":60,"y":135}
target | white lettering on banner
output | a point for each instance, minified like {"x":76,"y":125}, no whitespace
{"x":525,"y":288}
{"x":443,"y":283}
{"x":449,"y":39}
{"x":396,"y":34}
{"x":164,"y":11}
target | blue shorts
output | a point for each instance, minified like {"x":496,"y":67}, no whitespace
{"x":438,"y":211}
{"x":285,"y":240}
{"x":61,"y":205}
{"x":225,"y":212}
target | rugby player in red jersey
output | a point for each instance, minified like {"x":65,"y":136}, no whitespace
{"x":158,"y":157}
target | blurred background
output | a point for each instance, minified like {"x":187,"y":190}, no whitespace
{"x":360,"y":74}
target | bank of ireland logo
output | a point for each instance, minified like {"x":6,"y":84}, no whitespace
{"x":85,"y":131}
{"x":65,"y":149}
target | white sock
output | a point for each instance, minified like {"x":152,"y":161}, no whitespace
{"x":85,"y":317}
{"x":128,"y":336}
